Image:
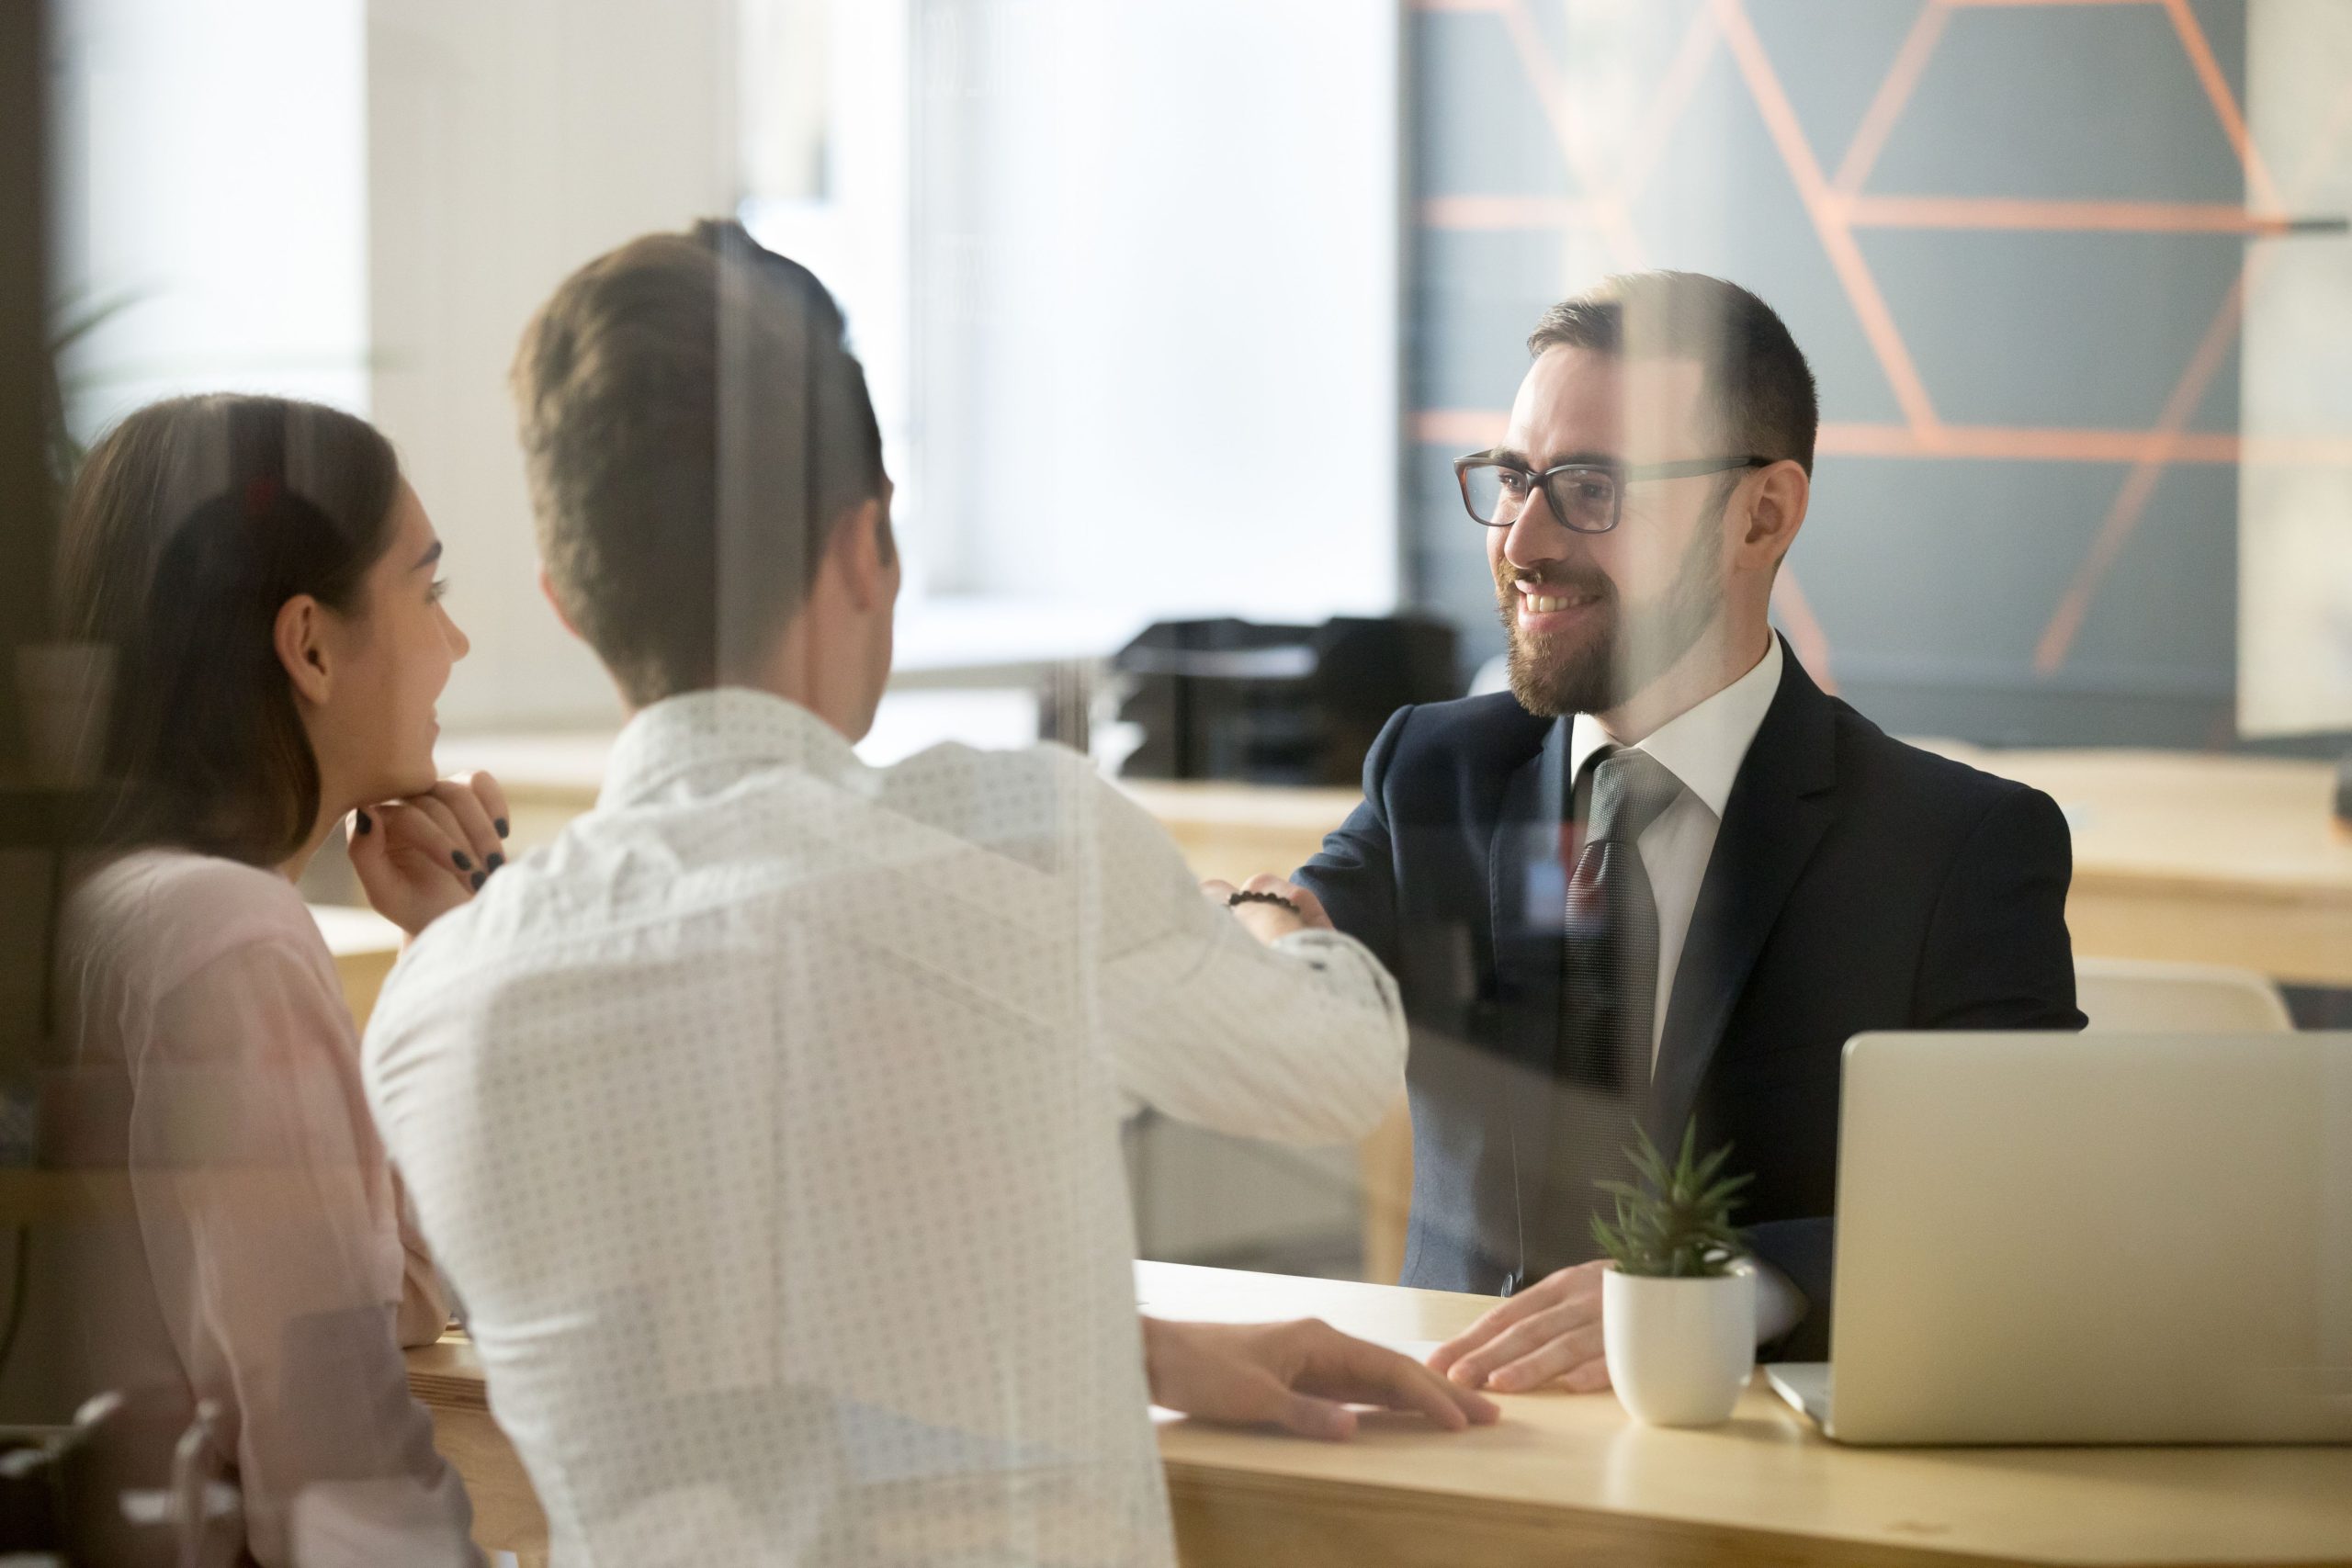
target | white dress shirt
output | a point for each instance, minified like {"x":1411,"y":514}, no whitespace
{"x":767,"y":1125}
{"x":1702,"y":748}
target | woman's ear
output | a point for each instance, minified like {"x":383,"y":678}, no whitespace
{"x":299,"y":636}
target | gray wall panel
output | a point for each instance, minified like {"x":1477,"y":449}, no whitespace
{"x":1936,"y":579}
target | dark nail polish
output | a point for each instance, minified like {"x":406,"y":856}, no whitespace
{"x":366,"y":823}
{"x":500,"y":826}
{"x":465,"y":862}
{"x":481,"y":878}
{"x":495,"y":860}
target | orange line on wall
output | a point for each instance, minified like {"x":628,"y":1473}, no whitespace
{"x":2259,"y":191}
{"x":1894,"y":95}
{"x":2132,"y":500}
{"x":2045,"y":445}
{"x":1845,"y":257}
{"x":1682,"y":76}
{"x":1615,"y":223}
{"x":2140,"y":485}
{"x":1484,"y":212}
{"x":1472,"y":428}
{"x":1805,"y":633}
{"x":2017,"y":443}
{"x":1836,"y":209}
{"x":2007,"y":212}
{"x":2309,"y":451}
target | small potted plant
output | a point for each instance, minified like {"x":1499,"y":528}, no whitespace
{"x":1678,"y":1304}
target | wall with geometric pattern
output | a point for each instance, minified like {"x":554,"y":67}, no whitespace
{"x":2010,"y":234}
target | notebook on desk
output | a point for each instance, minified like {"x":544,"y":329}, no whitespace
{"x":2090,"y":1238}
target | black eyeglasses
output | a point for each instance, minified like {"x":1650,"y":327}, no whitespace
{"x":1586,"y":497}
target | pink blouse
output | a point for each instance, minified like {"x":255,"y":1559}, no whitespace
{"x":271,"y":1267}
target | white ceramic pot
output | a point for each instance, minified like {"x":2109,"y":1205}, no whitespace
{"x":1680,"y":1350}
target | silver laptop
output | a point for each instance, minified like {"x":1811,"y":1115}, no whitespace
{"x":2090,"y":1238}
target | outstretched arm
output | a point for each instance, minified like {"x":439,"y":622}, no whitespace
{"x":1354,"y":874}
{"x":1284,"y":1031}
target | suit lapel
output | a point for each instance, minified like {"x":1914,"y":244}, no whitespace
{"x":1779,"y":806}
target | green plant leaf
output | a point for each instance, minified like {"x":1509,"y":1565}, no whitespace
{"x":1673,"y":1221}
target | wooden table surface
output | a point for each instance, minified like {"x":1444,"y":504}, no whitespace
{"x":2201,"y":858}
{"x":1569,"y":1479}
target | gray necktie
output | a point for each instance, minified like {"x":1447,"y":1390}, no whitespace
{"x":1608,"y":1001}
{"x":1612,"y":958}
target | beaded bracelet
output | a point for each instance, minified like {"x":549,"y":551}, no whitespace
{"x":1261,"y":898}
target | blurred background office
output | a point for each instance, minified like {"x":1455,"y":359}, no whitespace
{"x":1177,"y":310}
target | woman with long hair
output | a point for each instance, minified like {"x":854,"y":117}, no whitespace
{"x":268,"y":585}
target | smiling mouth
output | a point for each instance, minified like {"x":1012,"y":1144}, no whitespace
{"x":1534,"y":602}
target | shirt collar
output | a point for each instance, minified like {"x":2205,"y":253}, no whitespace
{"x":729,"y":727}
{"x":1704,"y":747}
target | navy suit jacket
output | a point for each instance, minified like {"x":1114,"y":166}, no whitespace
{"x":1857,"y":884}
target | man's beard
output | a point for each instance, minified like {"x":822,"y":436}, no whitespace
{"x":1611,"y":660}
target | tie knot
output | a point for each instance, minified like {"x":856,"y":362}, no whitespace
{"x":1629,"y":790}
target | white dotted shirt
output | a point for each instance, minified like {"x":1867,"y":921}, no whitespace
{"x":767,"y":1125}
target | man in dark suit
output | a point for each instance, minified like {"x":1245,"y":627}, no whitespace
{"x":1666,"y":877}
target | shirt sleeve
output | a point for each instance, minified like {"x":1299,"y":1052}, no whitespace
{"x":255,"y":1168}
{"x":1780,"y":1305}
{"x":1303,"y":1041}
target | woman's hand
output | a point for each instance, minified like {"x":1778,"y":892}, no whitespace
{"x":421,"y":857}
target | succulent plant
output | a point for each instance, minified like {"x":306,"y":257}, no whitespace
{"x":1674,"y":1222}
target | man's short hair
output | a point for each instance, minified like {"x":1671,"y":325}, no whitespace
{"x":695,"y":429}
{"x":1756,"y":377}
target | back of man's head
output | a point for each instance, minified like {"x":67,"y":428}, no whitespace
{"x":1758,"y":384}
{"x":695,"y":430}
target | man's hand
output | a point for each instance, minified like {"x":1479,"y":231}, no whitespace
{"x":1552,"y":1330}
{"x":1298,"y":1376}
{"x":1271,"y":922}
{"x":421,"y":857}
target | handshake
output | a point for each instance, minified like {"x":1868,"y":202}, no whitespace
{"x":1270,"y":908}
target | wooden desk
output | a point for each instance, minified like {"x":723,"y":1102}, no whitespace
{"x":1569,"y":1479}
{"x":2206,"y":859}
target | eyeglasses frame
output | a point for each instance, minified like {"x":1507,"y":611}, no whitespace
{"x":1678,"y":468}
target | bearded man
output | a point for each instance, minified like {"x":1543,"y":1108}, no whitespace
{"x":1666,"y":878}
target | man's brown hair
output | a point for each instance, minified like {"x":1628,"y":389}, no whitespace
{"x":1756,"y":377}
{"x":695,"y":428}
